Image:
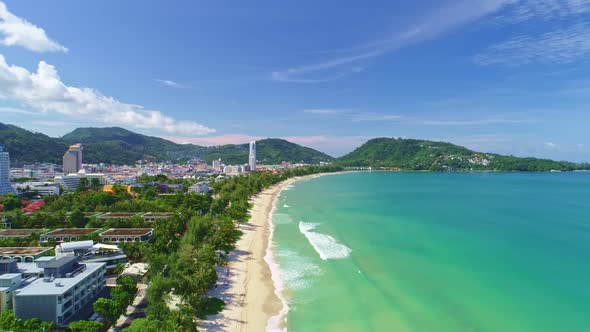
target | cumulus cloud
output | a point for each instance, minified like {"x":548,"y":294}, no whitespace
{"x":44,"y":91}
{"x":16,"y":31}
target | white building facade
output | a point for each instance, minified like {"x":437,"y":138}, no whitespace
{"x":252,"y":157}
{"x":5,"y":187}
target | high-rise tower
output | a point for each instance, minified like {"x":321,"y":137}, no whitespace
{"x":72,"y":160}
{"x":5,"y":187}
{"x":252,"y":159}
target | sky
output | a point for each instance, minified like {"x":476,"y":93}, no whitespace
{"x":503,"y":76}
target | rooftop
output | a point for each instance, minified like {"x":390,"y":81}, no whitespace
{"x":71,"y":231}
{"x":118,"y":215}
{"x":19,"y":232}
{"x":126,"y":231}
{"x":23,"y":250}
{"x":158,"y":215}
{"x":57,"y":286}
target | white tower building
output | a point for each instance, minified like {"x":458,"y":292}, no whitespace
{"x":72,"y":160}
{"x":252,"y":159}
{"x":5,"y":187}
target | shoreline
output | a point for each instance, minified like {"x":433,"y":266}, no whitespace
{"x":252,"y":287}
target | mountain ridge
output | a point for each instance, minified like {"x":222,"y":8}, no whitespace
{"x":117,"y":145}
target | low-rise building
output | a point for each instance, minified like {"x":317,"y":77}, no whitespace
{"x":67,"y":234}
{"x":127,"y":235}
{"x":66,"y":287}
{"x":23,"y":254}
{"x":40,"y":188}
{"x":201,"y":188}
{"x":118,"y":215}
{"x":19,"y":233}
{"x":155,"y":216}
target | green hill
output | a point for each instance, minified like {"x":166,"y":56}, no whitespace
{"x":412,"y":154}
{"x":120,"y":146}
{"x":26,"y":146}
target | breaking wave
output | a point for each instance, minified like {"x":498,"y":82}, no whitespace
{"x":325,"y":245}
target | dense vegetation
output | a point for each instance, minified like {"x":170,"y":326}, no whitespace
{"x":120,"y":146}
{"x":411,"y":154}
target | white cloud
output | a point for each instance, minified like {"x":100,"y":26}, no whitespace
{"x":14,"y":110}
{"x":476,"y":122}
{"x":525,"y":10}
{"x":550,"y":144}
{"x":322,"y":110}
{"x":458,"y":13}
{"x":43,"y":90}
{"x":171,"y":84}
{"x":369,"y":116}
{"x":17,"y":31}
{"x":559,"y":46}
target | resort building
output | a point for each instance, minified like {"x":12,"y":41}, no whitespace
{"x":155,"y":216}
{"x":5,"y":187}
{"x":118,"y":215}
{"x":72,"y":160}
{"x":66,"y":287}
{"x":252,"y":156}
{"x":67,"y":234}
{"x":19,"y":233}
{"x":201,"y":188}
{"x":127,"y":235}
{"x":22,"y":254}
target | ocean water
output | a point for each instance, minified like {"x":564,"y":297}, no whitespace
{"x":386,"y":251}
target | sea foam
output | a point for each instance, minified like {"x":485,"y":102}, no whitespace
{"x":277,"y":322}
{"x":325,"y":245}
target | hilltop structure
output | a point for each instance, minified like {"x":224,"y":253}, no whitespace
{"x":5,"y":187}
{"x":72,"y":160}
{"x":252,"y":157}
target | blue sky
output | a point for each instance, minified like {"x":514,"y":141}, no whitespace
{"x":506,"y":76}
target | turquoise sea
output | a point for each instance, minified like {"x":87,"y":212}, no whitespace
{"x":387,"y":251}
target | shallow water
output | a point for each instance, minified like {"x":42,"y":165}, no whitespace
{"x":436,"y":252}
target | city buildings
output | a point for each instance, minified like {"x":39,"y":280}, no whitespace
{"x":252,"y":157}
{"x":5,"y":187}
{"x":72,"y":160}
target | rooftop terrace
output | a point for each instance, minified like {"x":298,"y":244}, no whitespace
{"x":71,"y":232}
